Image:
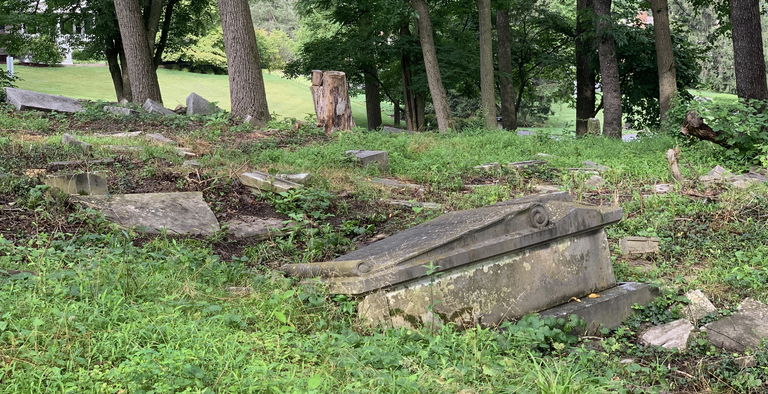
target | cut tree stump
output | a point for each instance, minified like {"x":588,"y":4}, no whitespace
{"x":330,"y":95}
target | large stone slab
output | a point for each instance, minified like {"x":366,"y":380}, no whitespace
{"x":367,"y":157}
{"x":29,"y":100}
{"x":176,"y":213}
{"x":87,"y":183}
{"x":481,"y":266}
{"x":610,"y":309}
{"x":266,"y":182}
{"x":745,"y":328}
{"x":154,"y":107}
{"x":196,"y":105}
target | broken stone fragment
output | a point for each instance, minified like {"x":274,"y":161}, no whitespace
{"x":298,"y":178}
{"x":196,"y":105}
{"x":256,"y":229}
{"x":176,"y":213}
{"x":266,"y":182}
{"x":745,"y":328}
{"x":68,"y":139}
{"x":367,"y":157}
{"x":699,"y":307}
{"x":29,"y":100}
{"x":161,"y":139}
{"x":662,"y":188}
{"x":123,"y":148}
{"x":154,"y":107}
{"x":87,"y":183}
{"x":547,"y":188}
{"x":638,"y":245}
{"x":669,"y":336}
{"x":121,"y":111}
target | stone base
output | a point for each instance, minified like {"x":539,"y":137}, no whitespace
{"x":499,"y":288}
{"x":612,"y":308}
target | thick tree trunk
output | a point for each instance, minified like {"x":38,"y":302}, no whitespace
{"x":585,"y":74}
{"x":439,"y":98}
{"x":487,"y":90}
{"x":331,"y":99}
{"x":246,"y":82}
{"x":372,"y":100}
{"x":143,"y":77}
{"x":665,"y":58}
{"x":506,"y":87}
{"x":609,"y":70}
{"x":749,"y":60}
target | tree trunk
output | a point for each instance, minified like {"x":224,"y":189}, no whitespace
{"x":409,"y":98}
{"x":506,"y":87}
{"x":331,"y":99}
{"x":153,"y":9}
{"x":665,"y":58}
{"x":748,"y":56}
{"x":114,"y":71}
{"x":161,"y":44}
{"x":246,"y":82}
{"x":609,"y":70}
{"x":396,"y":104}
{"x":372,"y":100}
{"x":487,"y":90}
{"x":585,"y":74}
{"x":439,"y":98}
{"x":127,"y":92}
{"x":143,"y":77}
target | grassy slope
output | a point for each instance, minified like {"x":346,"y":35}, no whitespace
{"x":289,"y":98}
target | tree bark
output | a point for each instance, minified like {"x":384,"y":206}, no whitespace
{"x":506,"y":87}
{"x":487,"y":90}
{"x":331,"y":99}
{"x":161,"y":44}
{"x":114,"y":71}
{"x":372,"y":99}
{"x":412,"y":122}
{"x":153,"y":9}
{"x":609,"y":70}
{"x":144,"y":84}
{"x":665,"y":58}
{"x":127,"y":92}
{"x":246,"y":82}
{"x":396,"y":104}
{"x":439,"y":98}
{"x":749,"y":60}
{"x":585,"y":74}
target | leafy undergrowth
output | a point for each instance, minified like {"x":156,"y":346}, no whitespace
{"x":88,"y":307}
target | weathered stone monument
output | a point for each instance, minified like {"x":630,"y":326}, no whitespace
{"x":29,"y":100}
{"x":481,"y":266}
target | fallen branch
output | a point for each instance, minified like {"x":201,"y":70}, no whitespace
{"x":672,"y":156}
{"x":694,"y":125}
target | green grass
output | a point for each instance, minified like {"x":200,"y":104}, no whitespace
{"x":287,"y":98}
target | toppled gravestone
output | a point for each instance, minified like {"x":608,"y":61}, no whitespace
{"x":175,"y":213}
{"x":670,"y":335}
{"x":638,"y":245}
{"x":266,"y":182}
{"x":394,"y":184}
{"x":367,"y":157}
{"x":29,"y":100}
{"x":699,"y":307}
{"x":87,"y":183}
{"x":256,"y":228}
{"x":297,"y":178}
{"x":68,"y":139}
{"x":154,"y":107}
{"x":720,"y":174}
{"x":196,"y":105}
{"x":481,"y":266}
{"x":161,"y":139}
{"x":745,"y":328}
{"x":60,"y":165}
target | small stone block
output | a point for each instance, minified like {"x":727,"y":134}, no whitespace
{"x":153,"y":107}
{"x":699,"y":307}
{"x":121,"y":111}
{"x":595,"y":181}
{"x":745,"y":362}
{"x":366,"y":157}
{"x":191,"y":163}
{"x":547,"y":188}
{"x":266,"y":182}
{"x":594,"y":166}
{"x":638,"y":245}
{"x":662,"y":188}
{"x":87,"y":183}
{"x":240,"y":291}
{"x":593,"y":126}
{"x":255,"y":122}
{"x":669,"y":336}
{"x":68,"y":139}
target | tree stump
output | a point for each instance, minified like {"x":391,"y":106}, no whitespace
{"x":330,"y":95}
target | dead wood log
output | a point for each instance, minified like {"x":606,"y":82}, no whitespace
{"x":694,"y":125}
{"x":331,"y":99}
{"x":672,"y":156}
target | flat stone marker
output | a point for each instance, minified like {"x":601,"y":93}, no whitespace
{"x":699,"y":307}
{"x":123,"y":148}
{"x":298,"y":178}
{"x":161,"y":139}
{"x":494,"y":263}
{"x":196,"y":105}
{"x":87,"y":183}
{"x":266,"y":182}
{"x":120,"y":111}
{"x":256,"y":228}
{"x":526,"y":164}
{"x":366,"y":157}
{"x":176,"y":213}
{"x":669,"y":336}
{"x":29,"y":100}
{"x":390,"y":129}
{"x":638,"y":245}
{"x":68,"y":139}
{"x":745,"y":328}
{"x":154,"y":107}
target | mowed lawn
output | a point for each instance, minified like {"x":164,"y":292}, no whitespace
{"x":286,"y":97}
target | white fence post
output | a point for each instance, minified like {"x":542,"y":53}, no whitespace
{"x":9,"y":62}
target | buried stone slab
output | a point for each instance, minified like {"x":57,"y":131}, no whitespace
{"x":256,"y":228}
{"x":266,"y":182}
{"x":60,"y":165}
{"x":481,"y":266}
{"x":87,"y":183}
{"x":745,"y":328}
{"x":29,"y":100}
{"x":638,"y":245}
{"x":672,"y":335}
{"x":175,"y":213}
